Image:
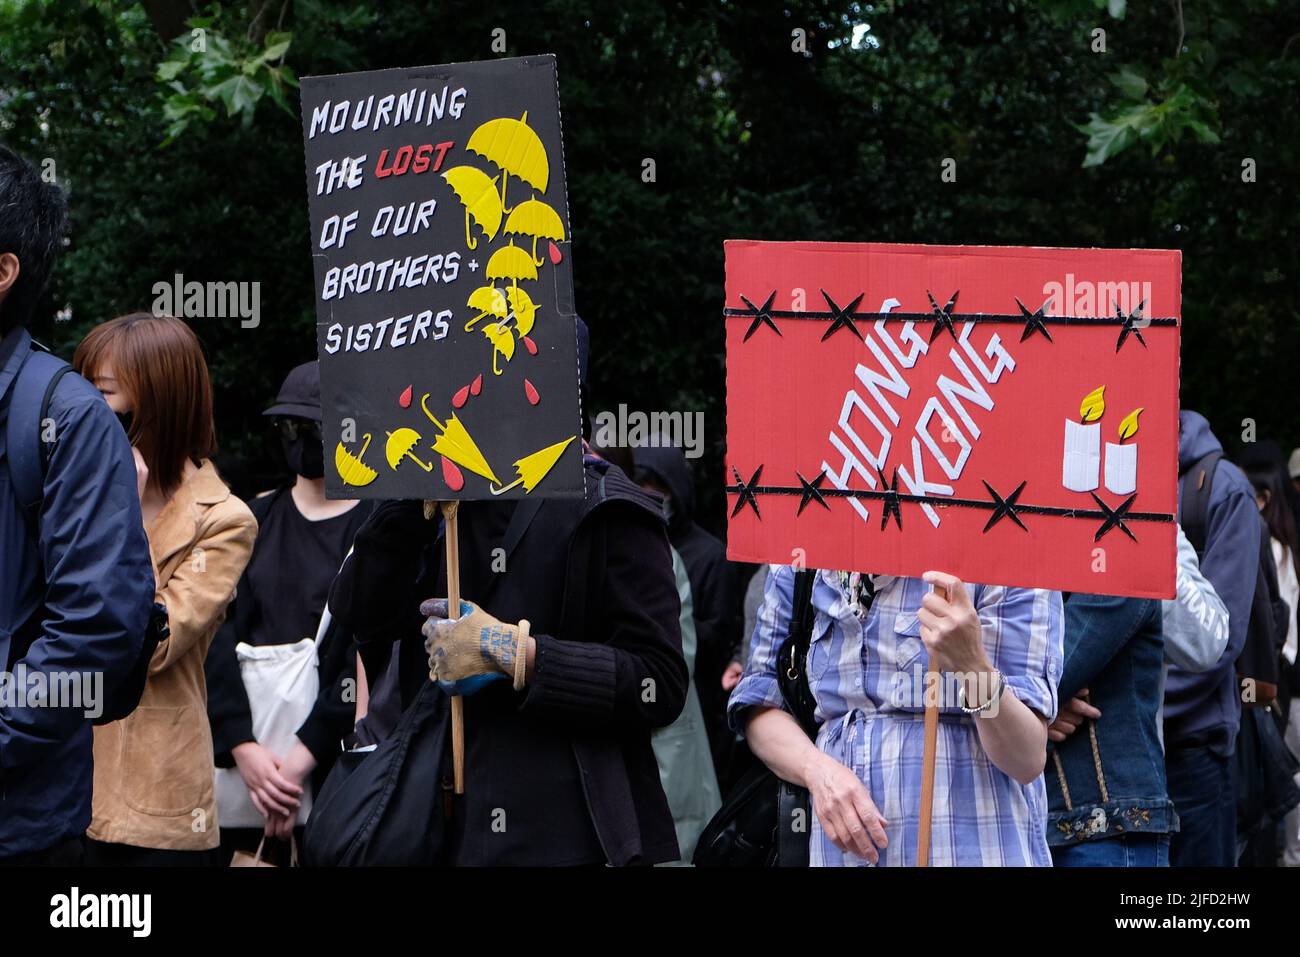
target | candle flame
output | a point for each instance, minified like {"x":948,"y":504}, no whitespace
{"x":1093,"y":405}
{"x":1129,"y":426}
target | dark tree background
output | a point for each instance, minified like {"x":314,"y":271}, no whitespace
{"x":190,"y":161}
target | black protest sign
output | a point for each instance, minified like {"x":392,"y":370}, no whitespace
{"x":444,"y":296}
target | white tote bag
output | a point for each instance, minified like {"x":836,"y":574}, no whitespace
{"x":282,"y":682}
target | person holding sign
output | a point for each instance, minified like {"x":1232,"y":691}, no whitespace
{"x":999,"y":652}
{"x":567,"y":654}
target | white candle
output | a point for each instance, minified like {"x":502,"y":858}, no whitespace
{"x":1121,"y":468}
{"x":1081,"y":465}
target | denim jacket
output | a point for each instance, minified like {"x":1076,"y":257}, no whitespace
{"x":1108,"y":777}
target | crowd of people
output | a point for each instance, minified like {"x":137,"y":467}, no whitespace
{"x":236,"y":663}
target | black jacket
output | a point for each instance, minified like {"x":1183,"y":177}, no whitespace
{"x":562,"y":772}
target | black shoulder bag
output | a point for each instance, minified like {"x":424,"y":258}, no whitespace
{"x":764,"y":822}
{"x":379,"y":808}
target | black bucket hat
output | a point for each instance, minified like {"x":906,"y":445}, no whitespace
{"x":300,"y":394}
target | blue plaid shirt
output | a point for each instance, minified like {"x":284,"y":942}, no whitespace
{"x":867,"y":674}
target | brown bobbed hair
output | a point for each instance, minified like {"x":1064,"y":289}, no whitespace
{"x":158,"y":363}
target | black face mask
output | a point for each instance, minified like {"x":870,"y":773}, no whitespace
{"x":126,"y":418}
{"x":305,"y":455}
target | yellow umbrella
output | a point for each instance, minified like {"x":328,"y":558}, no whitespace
{"x":478,"y":195}
{"x":350,"y":467}
{"x":454,"y":441}
{"x":534,"y":218}
{"x":513,"y":146}
{"x":399,"y":447}
{"x":533,"y":468}
{"x":524,"y":308}
{"x":511,"y":262}
{"x":503,"y":343}
{"x":487,"y":300}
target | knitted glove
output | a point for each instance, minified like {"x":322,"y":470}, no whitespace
{"x":470,"y":652}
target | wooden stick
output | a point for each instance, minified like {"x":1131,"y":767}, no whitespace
{"x":452,"y":534}
{"x":932,"y":687}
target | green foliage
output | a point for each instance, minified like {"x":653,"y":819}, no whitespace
{"x":1138,"y":119}
{"x":750,"y":140}
{"x":205,"y":68}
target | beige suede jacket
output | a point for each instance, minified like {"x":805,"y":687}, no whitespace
{"x":153,"y":769}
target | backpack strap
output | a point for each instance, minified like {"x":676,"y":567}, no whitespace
{"x":1195,"y":487}
{"x":29,"y":407}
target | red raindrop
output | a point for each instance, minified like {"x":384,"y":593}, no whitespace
{"x":529,"y":345}
{"x":556,"y":255}
{"x":451,"y":474}
{"x":460,"y":398}
{"x":404,"y":400}
{"x":476,"y":386}
{"x":531,"y":393}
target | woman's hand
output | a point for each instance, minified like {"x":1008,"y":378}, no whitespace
{"x":271,"y":791}
{"x":731,"y":677}
{"x":294,"y":768}
{"x":842,"y":804}
{"x":1072,"y":714}
{"x":280,"y":826}
{"x":298,"y":763}
{"x":950,"y":627}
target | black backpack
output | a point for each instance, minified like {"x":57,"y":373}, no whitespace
{"x":29,"y":454}
{"x":1259,"y":666}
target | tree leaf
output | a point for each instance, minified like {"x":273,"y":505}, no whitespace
{"x":275,"y":51}
{"x":170,"y":69}
{"x":1130,"y":83}
{"x":239,"y":94}
{"x":1106,"y":139}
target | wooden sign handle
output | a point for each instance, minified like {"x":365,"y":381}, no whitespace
{"x":451,"y":533}
{"x":932,"y":679}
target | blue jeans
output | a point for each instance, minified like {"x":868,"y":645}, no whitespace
{"x":1124,"y":850}
{"x":1203,"y":788}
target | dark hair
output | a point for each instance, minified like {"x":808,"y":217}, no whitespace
{"x":1278,"y":516}
{"x":159,"y":364}
{"x":33,"y":215}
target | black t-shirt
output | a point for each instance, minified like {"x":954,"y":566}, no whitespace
{"x":294,"y":561}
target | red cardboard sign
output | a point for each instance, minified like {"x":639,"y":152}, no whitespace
{"x":1008,"y":415}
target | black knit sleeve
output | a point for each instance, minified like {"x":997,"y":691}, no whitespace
{"x":628,"y":668}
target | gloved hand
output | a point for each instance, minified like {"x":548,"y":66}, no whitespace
{"x":470,"y":652}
